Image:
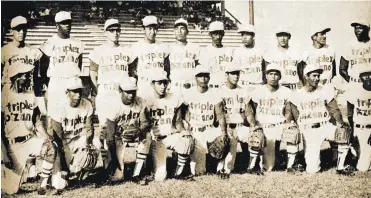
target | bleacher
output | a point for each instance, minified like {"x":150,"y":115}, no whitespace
{"x":92,"y":35}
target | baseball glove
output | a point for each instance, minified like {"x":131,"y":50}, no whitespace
{"x":131,"y":133}
{"x":342,"y":134}
{"x":84,"y":159}
{"x":219,"y":148}
{"x":256,"y":139}
{"x":291,"y":134}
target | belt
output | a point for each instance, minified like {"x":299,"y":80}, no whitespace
{"x":367,"y":126}
{"x":315,"y":125}
{"x":252,"y":83}
{"x":132,"y":144}
{"x":201,"y":129}
{"x":213,"y":86}
{"x":183,"y":85}
{"x":355,"y":80}
{"x":19,"y":139}
{"x":233,"y":125}
{"x":144,"y":79}
{"x":161,"y":137}
{"x":271,"y":125}
{"x":109,"y":87}
{"x":290,"y":85}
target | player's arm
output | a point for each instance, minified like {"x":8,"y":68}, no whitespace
{"x":42,"y":71}
{"x":350,"y":111}
{"x":40,"y":122}
{"x":178,"y":120}
{"x":293,"y":110}
{"x":343,"y":68}
{"x":333,"y":68}
{"x":334,"y":110}
{"x":220,"y":117}
{"x":133,"y":69}
{"x":300,"y":70}
{"x":167,"y":66}
{"x":249,"y":113}
{"x":89,"y":130}
{"x":93,"y":71}
{"x":264,"y":66}
{"x":145,"y":121}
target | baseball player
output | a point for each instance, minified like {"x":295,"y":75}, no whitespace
{"x":204,"y":107}
{"x":322,"y":54}
{"x":64,"y":58}
{"x":109,"y":62}
{"x":20,"y":115}
{"x":163,"y":111}
{"x":250,"y":58}
{"x":270,"y":101}
{"x":359,"y":112}
{"x":215,"y":56}
{"x":73,"y":132}
{"x":150,"y":54}
{"x":238,"y":111}
{"x":128,"y":125}
{"x":357,"y":55}
{"x":287,"y":57}
{"x":317,"y":113}
{"x":183,"y":57}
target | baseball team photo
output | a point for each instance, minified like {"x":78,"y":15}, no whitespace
{"x":182,"y":98}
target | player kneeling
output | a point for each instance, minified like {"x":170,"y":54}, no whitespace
{"x":73,"y":132}
{"x":127,"y":129}
{"x":20,"y":115}
{"x":163,"y":110}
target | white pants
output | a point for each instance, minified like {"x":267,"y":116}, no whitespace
{"x":364,"y":161}
{"x":103,"y":99}
{"x":272,"y":135}
{"x":57,"y":93}
{"x":313,"y":140}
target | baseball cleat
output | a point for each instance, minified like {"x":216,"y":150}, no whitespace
{"x":141,"y":181}
{"x":344,"y":172}
{"x":41,"y":191}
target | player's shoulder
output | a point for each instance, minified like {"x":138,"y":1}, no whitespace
{"x":284,"y":90}
{"x":85,"y":104}
{"x":140,"y":101}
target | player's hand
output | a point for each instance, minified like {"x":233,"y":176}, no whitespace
{"x":369,"y":140}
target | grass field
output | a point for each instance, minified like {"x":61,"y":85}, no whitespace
{"x":274,"y":184}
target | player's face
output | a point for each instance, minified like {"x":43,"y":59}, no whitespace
{"x":360,"y":31}
{"x":233,"y":77}
{"x":181,"y":33}
{"x":127,"y":97}
{"x":150,"y":32}
{"x":313,"y":79}
{"x":217,"y":37}
{"x":283,"y":39}
{"x":113,"y":34}
{"x":203,"y":79}
{"x":74,"y":97}
{"x":320,"y":38}
{"x":247,"y":38}
{"x":273,"y":78}
{"x":19,"y":33}
{"x":64,"y":27}
{"x":160,"y":87}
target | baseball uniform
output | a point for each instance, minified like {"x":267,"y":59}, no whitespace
{"x":361,"y":99}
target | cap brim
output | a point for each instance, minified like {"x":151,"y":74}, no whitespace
{"x":283,"y":32}
{"x":316,"y":70}
{"x":113,"y":25}
{"x":151,"y":24}
{"x":356,"y":23}
{"x":178,"y":24}
{"x":269,"y":70}
{"x":20,"y":25}
{"x":64,"y":20}
{"x":74,"y":88}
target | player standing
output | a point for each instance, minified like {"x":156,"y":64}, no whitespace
{"x":316,"y":111}
{"x":250,"y":58}
{"x":183,"y":57}
{"x":150,"y":53}
{"x":163,"y":111}
{"x":287,"y":57}
{"x":216,"y":56}
{"x":359,"y":108}
{"x":64,"y":57}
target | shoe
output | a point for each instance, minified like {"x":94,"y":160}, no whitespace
{"x":58,"y":192}
{"x":255,"y":171}
{"x":41,"y":191}
{"x":185,"y":178}
{"x":141,"y":181}
{"x":224,"y":175}
{"x":290,"y":170}
{"x":344,"y":172}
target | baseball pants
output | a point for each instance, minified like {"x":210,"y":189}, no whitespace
{"x":364,"y":161}
{"x":314,"y":138}
{"x":106,"y":95}
{"x":272,"y":134}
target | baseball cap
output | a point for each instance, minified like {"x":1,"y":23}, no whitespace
{"x":181,"y":21}
{"x":273,"y":67}
{"x":319,"y":28}
{"x":283,"y":29}
{"x":128,"y":84}
{"x":75,"y":83}
{"x":19,"y":20}
{"x":19,"y":69}
{"x":201,"y":69}
{"x":311,"y":68}
{"x":232,"y":68}
{"x":362,"y":22}
{"x":159,"y":75}
{"x":216,"y":26}
{"x":111,"y":22}
{"x":149,"y":20}
{"x":62,"y":16}
{"x":246,"y":28}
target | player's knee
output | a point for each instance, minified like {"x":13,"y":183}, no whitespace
{"x":48,"y":151}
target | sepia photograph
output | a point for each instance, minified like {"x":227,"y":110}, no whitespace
{"x":215,"y":99}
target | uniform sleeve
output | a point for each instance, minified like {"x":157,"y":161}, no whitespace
{"x":3,"y":52}
{"x":197,"y":52}
{"x":94,"y":56}
{"x":134,"y":51}
{"x":112,"y":112}
{"x":328,"y":93}
{"x":267,"y":56}
{"x":47,"y":47}
{"x":36,"y":53}
{"x":57,"y":114}
{"x":89,"y":106}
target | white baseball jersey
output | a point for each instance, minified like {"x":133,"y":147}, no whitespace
{"x":270,"y":104}
{"x":64,"y":56}
{"x":217,"y":59}
{"x":359,"y":56}
{"x":201,"y":105}
{"x":162,"y":111}
{"x":73,"y":120}
{"x":12,"y":56}
{"x":288,"y":60}
{"x":182,"y":61}
{"x":322,"y":57}
{"x":361,"y":99}
{"x":112,"y":62}
{"x":151,"y":56}
{"x":235,"y":102}
{"x":312,"y":105}
{"x":18,"y":110}
{"x":250,"y":61}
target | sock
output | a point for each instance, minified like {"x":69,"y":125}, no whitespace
{"x":182,"y":160}
{"x":47,"y":168}
{"x":342,"y":154}
{"x":141,"y":157}
{"x":253,"y":156}
{"x":290,"y":159}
